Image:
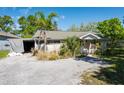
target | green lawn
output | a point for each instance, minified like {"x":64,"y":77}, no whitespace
{"x":113,"y":74}
{"x":3,"y":53}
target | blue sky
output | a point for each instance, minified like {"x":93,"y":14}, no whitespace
{"x":68,"y":15}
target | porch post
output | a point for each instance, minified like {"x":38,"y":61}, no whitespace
{"x":90,"y":48}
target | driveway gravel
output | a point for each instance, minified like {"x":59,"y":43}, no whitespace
{"x":27,"y":70}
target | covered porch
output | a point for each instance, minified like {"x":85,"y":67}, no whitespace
{"x":91,"y":43}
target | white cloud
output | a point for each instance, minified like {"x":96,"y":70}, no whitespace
{"x":62,"y":17}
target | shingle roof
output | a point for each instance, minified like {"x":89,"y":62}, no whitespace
{"x":61,"y":34}
{"x":7,"y":34}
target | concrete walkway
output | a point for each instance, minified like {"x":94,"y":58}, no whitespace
{"x":26,"y":69}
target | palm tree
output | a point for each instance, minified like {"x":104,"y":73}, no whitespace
{"x":50,"y":18}
{"x":45,"y":23}
{"x":72,"y":45}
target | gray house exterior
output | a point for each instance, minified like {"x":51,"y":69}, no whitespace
{"x":14,"y":43}
{"x":4,"y":43}
{"x":55,"y":39}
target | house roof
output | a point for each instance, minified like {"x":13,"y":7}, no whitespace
{"x":63,"y":35}
{"x":90,"y":36}
{"x":7,"y":34}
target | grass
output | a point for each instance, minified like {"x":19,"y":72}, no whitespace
{"x":88,"y":78}
{"x":114,"y":74}
{"x":3,"y":53}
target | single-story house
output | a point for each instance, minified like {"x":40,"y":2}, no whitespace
{"x":54,"y":39}
{"x":51,"y":41}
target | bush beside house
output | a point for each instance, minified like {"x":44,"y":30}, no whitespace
{"x":71,"y":47}
{"x":42,"y":55}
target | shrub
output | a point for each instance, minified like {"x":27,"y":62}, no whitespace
{"x":71,"y":47}
{"x":63,"y":49}
{"x":67,"y":54}
{"x":53,"y":56}
{"x":41,"y":55}
{"x":98,"y":52}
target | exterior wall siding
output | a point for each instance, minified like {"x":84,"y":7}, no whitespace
{"x":50,"y":46}
{"x":5,"y":45}
{"x":53,"y":47}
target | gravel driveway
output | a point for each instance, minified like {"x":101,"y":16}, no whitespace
{"x":26,"y":69}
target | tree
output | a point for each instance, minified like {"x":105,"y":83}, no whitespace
{"x":6,"y":23}
{"x":45,"y":23}
{"x":82,"y":27}
{"x":40,"y":20}
{"x":111,"y":29}
{"x":30,"y":24}
{"x":22,"y":22}
{"x":15,"y":30}
{"x":73,"y":28}
{"x":92,"y":27}
{"x":89,"y":27}
{"x":55,"y":26}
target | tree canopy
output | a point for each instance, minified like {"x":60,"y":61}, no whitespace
{"x":6,"y":23}
{"x":73,"y":28}
{"x":31,"y":23}
{"x":84,"y":27}
{"x":112,"y":29}
{"x":89,"y":27}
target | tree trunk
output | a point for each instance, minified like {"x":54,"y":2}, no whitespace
{"x":39,"y":45}
{"x":45,"y":42}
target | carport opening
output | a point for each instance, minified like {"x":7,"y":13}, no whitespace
{"x":28,"y":45}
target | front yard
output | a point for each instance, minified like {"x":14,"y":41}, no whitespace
{"x":113,"y":74}
{"x":26,"y":69}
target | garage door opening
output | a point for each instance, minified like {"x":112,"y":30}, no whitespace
{"x":28,"y":45}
